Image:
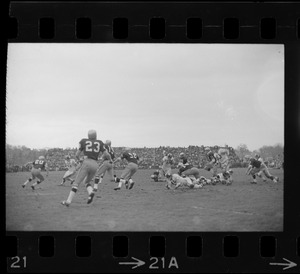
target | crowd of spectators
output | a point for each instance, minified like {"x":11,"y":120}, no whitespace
{"x":151,"y":157}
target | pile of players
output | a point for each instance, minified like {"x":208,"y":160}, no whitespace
{"x":189,"y":176}
{"x":87,"y":168}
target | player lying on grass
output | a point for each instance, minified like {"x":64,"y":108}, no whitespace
{"x":38,"y":166}
{"x":106,"y":166}
{"x":255,"y":167}
{"x":132,"y":166}
{"x":91,"y":148}
{"x":72,"y":166}
{"x":223,"y":178}
{"x":156,"y":176}
{"x":178,"y":181}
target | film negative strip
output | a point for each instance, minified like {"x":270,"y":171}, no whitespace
{"x":170,"y":80}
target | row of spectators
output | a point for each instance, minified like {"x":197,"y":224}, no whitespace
{"x":152,"y":157}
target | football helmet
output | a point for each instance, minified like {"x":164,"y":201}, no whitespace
{"x":92,"y":134}
{"x":41,"y":158}
{"x":108,"y":142}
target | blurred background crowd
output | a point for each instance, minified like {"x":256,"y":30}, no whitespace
{"x":17,"y":158}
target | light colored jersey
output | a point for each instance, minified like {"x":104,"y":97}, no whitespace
{"x":167,"y":162}
{"x":70,"y":163}
{"x":177,"y":179}
{"x":260,"y":159}
{"x":224,"y":154}
{"x":220,"y":176}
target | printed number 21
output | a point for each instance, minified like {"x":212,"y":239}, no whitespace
{"x":156,"y":265}
{"x":16,"y":261}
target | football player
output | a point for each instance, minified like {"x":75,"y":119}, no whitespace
{"x":131,"y":168}
{"x":179,"y":181}
{"x":166,"y":168}
{"x":223,"y":178}
{"x":72,"y":168}
{"x":155,"y":176}
{"x":260,"y":173}
{"x":107,"y":165}
{"x":38,"y":166}
{"x":213,"y":160}
{"x":224,"y":159}
{"x":255,"y":167}
{"x":91,"y":148}
{"x":187,"y":169}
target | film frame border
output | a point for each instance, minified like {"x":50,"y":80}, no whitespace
{"x":139,"y":15}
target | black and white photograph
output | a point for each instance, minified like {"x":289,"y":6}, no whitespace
{"x":145,"y":137}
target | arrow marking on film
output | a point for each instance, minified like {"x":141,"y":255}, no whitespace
{"x":288,"y":265}
{"x":136,"y":264}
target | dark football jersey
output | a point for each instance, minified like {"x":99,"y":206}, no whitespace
{"x":186,"y":164}
{"x":110,"y":150}
{"x":226,"y":175}
{"x":39,"y":164}
{"x":91,"y":148}
{"x":130,"y":157}
{"x":184,"y":160}
{"x":255,"y":163}
{"x":211,"y":156}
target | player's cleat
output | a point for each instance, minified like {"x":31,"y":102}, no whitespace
{"x":65,"y":203}
{"x":23,"y":186}
{"x":126,"y":184}
{"x":91,"y":197}
{"x":264,"y":180}
{"x":32,"y":187}
{"x":131,"y":185}
{"x":117,"y":188}
{"x":72,"y":181}
{"x":167,"y":186}
{"x":62,"y":183}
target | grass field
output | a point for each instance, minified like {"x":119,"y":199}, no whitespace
{"x":149,"y":206}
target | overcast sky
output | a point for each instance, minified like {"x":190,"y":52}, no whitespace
{"x":145,"y":94}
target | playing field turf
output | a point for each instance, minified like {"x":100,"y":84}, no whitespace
{"x":149,"y":206}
